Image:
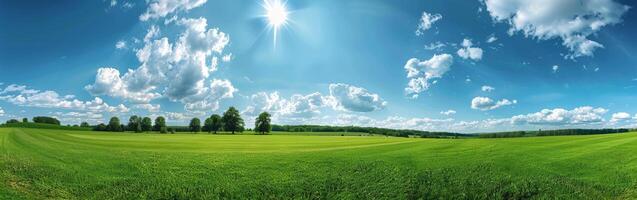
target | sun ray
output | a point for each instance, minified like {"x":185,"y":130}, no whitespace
{"x":276,"y":14}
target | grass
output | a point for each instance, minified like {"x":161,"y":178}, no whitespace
{"x":60,"y":164}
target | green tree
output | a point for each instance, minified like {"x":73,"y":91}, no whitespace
{"x":114,"y":125}
{"x":262,"y":123}
{"x":100,"y":127}
{"x":195,"y":125}
{"x":25,"y":120}
{"x":207,"y":125}
{"x":147,"y":124}
{"x":133,"y":121}
{"x":12,"y":121}
{"x":46,"y":120}
{"x":216,"y":123}
{"x":160,"y":122}
{"x":232,"y":120}
{"x":85,"y":124}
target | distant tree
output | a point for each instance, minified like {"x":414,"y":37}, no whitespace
{"x":195,"y":125}
{"x":25,"y":120}
{"x":84,"y":124}
{"x":207,"y":125}
{"x":12,"y":121}
{"x":163,"y":129}
{"x":46,"y":120}
{"x":262,"y":123}
{"x":147,"y":124}
{"x":232,"y":120}
{"x":133,"y":122}
{"x":100,"y":127}
{"x":216,"y":123}
{"x":114,"y":125}
{"x":159,"y":123}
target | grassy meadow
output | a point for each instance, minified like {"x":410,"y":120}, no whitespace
{"x":64,"y":164}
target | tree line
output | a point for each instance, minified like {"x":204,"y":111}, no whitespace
{"x":369,"y":130}
{"x":552,"y":132}
{"x":230,"y":121}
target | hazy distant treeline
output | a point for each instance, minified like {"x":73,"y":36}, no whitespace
{"x":552,"y":133}
{"x":370,"y":130}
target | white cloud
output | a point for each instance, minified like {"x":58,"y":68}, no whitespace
{"x":208,"y":98}
{"x":22,"y":96}
{"x":620,"y":116}
{"x":1,"y":112}
{"x":152,"y":33}
{"x":351,"y":98}
{"x":161,"y":8}
{"x":297,"y":109}
{"x":113,"y":3}
{"x":176,"y":70}
{"x":560,"y":116}
{"x":448,"y":112}
{"x":469,"y":52}
{"x":492,"y":39}
{"x":421,"y":73}
{"x":486,"y":88}
{"x":149,"y":107}
{"x":120,"y":44}
{"x":227,"y":57}
{"x":108,"y":82}
{"x":435,"y":46}
{"x":79,"y":117}
{"x":555,"y":68}
{"x":570,"y":20}
{"x":426,"y":20}
{"x":486,"y":103}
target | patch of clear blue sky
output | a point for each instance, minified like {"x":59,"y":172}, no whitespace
{"x":59,"y":45}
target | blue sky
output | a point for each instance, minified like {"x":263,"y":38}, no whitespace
{"x":467,"y":66}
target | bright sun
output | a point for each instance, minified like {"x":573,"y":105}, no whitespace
{"x":276,"y":14}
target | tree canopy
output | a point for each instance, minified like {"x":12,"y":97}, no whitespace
{"x":232,"y":120}
{"x":262,"y":123}
{"x":195,"y":125}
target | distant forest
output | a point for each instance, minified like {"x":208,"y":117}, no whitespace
{"x":53,"y":123}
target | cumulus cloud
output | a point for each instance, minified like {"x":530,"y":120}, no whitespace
{"x":486,"y":103}
{"x":148,"y":107}
{"x":619,"y":117}
{"x":448,"y":112}
{"x":573,"y":21}
{"x":1,"y":112}
{"x":175,"y":70}
{"x":421,"y":73}
{"x":22,"y":96}
{"x":426,"y":20}
{"x":469,"y":52}
{"x":108,"y":82}
{"x":560,"y":116}
{"x":161,"y":8}
{"x":351,"y":98}
{"x":486,"y":88}
{"x":207,"y":98}
{"x":296,"y":109}
{"x":79,"y":117}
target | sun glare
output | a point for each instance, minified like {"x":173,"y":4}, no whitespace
{"x":276,"y":14}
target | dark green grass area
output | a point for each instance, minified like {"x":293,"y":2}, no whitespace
{"x":58,"y":164}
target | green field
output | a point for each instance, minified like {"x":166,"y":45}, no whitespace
{"x":62,"y":164}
